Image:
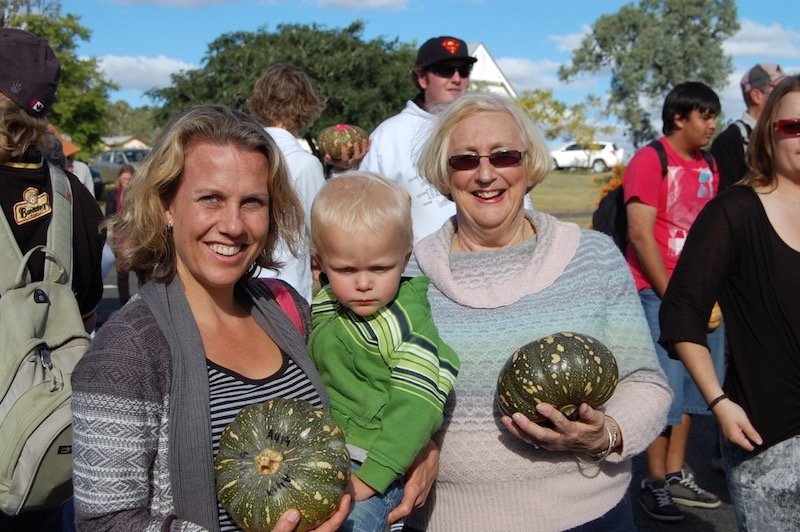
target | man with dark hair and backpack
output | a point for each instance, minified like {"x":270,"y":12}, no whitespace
{"x":661,"y":207}
{"x":730,"y":146}
{"x":41,"y":205}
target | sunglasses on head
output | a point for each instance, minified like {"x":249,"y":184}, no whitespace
{"x":788,"y":126}
{"x":446,"y":70}
{"x":498,"y":159}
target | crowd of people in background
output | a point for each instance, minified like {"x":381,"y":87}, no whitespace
{"x":418,"y":265}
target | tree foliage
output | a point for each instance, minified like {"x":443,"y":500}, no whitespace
{"x":10,"y":9}
{"x":581,"y":122}
{"x":122,"y":119}
{"x":359,"y":79}
{"x":651,"y":46}
{"x":82,"y":96}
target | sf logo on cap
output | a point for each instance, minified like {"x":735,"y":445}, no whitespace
{"x":451,"y":45}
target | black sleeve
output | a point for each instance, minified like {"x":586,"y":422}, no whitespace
{"x":696,"y":283}
{"x":728,"y":151}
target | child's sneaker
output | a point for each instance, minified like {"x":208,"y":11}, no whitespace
{"x":684,"y":490}
{"x":657,"y":502}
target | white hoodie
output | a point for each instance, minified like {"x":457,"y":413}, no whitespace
{"x":395,"y":147}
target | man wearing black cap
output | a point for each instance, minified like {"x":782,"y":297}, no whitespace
{"x":730,"y":146}
{"x":441,"y":75}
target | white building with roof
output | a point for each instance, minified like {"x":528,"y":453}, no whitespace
{"x":486,"y":74}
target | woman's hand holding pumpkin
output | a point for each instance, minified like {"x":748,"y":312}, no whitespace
{"x":289,"y":520}
{"x":587,"y":434}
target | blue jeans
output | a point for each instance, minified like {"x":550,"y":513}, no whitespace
{"x":370,"y":515}
{"x":764,"y":488}
{"x":687,"y":398}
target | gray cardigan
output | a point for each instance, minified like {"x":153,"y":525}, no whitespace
{"x":146,"y":368}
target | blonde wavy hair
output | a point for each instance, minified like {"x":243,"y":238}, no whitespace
{"x":148,"y":246}
{"x":433,"y":159}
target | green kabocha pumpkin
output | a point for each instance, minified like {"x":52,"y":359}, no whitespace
{"x":564,"y":369}
{"x":278,"y":455}
{"x":332,"y":139}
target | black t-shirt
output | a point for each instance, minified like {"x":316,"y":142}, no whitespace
{"x":734,"y":256}
{"x":16,"y":185}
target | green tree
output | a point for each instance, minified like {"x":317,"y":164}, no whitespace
{"x":10,"y":9}
{"x":363,"y":82}
{"x":581,"y":122}
{"x":651,"y":46}
{"x":82,"y":96}
{"x":122,"y":119}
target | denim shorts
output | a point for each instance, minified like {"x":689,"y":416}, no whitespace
{"x":687,"y":398}
{"x":370,"y":515}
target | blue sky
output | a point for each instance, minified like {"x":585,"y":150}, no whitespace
{"x":140,"y":42}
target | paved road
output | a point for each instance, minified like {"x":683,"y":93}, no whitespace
{"x":701,"y":443}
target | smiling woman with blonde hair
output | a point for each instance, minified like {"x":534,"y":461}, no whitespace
{"x":168,"y":371}
{"x":502,"y":276}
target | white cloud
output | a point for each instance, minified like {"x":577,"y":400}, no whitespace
{"x":526,"y":74}
{"x":570,"y":41}
{"x":139,"y":72}
{"x":755,"y":40}
{"x":364,"y":4}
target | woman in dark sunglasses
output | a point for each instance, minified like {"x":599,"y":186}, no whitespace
{"x":502,"y":276}
{"x":744,"y":251}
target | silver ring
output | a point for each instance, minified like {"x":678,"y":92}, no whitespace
{"x":535,"y":445}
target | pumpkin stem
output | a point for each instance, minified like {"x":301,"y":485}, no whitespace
{"x":268,"y":462}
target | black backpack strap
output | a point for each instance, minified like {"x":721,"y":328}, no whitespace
{"x":709,"y":160}
{"x":662,"y":156}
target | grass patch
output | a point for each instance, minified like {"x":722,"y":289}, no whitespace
{"x":569,"y":195}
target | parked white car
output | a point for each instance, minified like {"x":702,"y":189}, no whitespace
{"x":599,"y":156}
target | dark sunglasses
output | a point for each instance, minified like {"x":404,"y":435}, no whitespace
{"x":788,"y":126}
{"x":498,"y":159}
{"x":446,"y":70}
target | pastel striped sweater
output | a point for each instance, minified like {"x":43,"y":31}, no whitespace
{"x":486,"y":305}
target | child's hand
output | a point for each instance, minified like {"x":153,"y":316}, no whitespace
{"x":358,"y":490}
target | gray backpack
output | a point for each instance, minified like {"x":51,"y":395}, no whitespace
{"x":42,"y":337}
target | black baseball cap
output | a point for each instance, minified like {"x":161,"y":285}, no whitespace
{"x":29,"y":71}
{"x":443,"y":48}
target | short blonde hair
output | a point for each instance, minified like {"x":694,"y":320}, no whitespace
{"x":148,"y":245}
{"x":433,"y":159}
{"x":20,"y":133}
{"x":360,"y":200}
{"x":284,"y":94}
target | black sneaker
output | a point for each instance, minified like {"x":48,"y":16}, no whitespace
{"x":657,"y":502}
{"x":685,"y":491}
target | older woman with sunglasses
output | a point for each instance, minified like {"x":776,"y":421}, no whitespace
{"x":744,"y":251}
{"x":501,"y":277}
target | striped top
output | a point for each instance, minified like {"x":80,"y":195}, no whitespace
{"x":230,"y":392}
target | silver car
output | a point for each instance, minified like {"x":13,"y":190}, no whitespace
{"x":109,"y":162}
